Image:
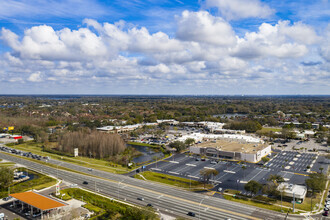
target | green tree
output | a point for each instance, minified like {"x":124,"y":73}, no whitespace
{"x":207,"y":174}
{"x":316,"y":182}
{"x":178,"y":145}
{"x":265,"y":159}
{"x":6,"y":177}
{"x":189,"y":141}
{"x":276,"y":179}
{"x":253,"y":187}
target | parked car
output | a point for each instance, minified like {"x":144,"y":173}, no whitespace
{"x":191,"y":214}
{"x":325,"y":213}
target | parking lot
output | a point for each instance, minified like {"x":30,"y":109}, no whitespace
{"x":293,"y":161}
{"x":290,"y":165}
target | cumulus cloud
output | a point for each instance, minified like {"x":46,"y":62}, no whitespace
{"x":35,"y":77}
{"x":205,"y":50}
{"x":280,"y":40}
{"x":237,"y":9}
{"x":204,"y":28}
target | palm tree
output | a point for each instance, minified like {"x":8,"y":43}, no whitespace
{"x":244,"y":168}
{"x":207,"y":174}
{"x":321,"y":169}
{"x":275,"y":179}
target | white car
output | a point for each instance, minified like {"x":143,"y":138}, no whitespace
{"x":219,"y":189}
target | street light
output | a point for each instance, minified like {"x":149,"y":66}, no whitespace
{"x":199,"y":209}
{"x":189,"y":174}
{"x":57,"y":169}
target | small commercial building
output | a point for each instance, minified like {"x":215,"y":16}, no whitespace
{"x":35,"y":204}
{"x":250,"y":152}
{"x":291,"y":190}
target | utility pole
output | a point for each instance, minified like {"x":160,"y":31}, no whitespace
{"x":293,"y":202}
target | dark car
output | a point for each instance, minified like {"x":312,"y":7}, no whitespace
{"x":149,"y":205}
{"x":325,"y":213}
{"x":85,"y":182}
{"x":191,"y":214}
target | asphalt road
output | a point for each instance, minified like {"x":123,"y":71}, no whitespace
{"x":166,"y":199}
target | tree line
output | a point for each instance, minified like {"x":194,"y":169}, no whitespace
{"x":92,"y":144}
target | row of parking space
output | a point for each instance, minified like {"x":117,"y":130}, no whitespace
{"x":189,"y":167}
{"x":292,"y":161}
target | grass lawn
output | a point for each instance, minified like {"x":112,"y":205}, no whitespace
{"x":7,"y":164}
{"x":105,"y":208}
{"x":35,"y":148}
{"x":270,"y":129}
{"x":173,"y":180}
{"x":40,"y":181}
{"x":253,"y":203}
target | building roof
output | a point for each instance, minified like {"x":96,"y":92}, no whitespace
{"x":288,"y":189}
{"x":38,"y":201}
{"x":233,"y":146}
{"x":233,"y":137}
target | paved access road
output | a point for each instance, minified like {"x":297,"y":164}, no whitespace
{"x":165,"y":198}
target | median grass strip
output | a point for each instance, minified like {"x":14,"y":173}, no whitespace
{"x":104,"y":165}
{"x":173,"y":180}
{"x":7,"y":164}
{"x":105,"y":208}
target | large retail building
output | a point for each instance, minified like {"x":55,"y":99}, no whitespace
{"x":230,"y":149}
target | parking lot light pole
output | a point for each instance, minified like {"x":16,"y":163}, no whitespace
{"x":199,"y":209}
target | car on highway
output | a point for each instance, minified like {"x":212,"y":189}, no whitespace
{"x":85,"y":182}
{"x":140,"y":198}
{"x":325,"y":213}
{"x":90,"y":169}
{"x":192,"y":214}
{"x":149,"y":205}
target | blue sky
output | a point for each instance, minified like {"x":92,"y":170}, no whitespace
{"x":215,"y":47}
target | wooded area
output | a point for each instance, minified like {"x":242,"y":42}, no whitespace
{"x":92,"y":144}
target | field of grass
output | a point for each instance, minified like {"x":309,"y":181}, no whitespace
{"x":105,"y":208}
{"x":173,"y":180}
{"x":40,"y":181}
{"x":7,"y":164}
{"x":253,"y":203}
{"x":264,"y":129}
{"x":35,"y":148}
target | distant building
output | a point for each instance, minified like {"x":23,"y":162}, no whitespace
{"x":230,"y":149}
{"x":289,"y":189}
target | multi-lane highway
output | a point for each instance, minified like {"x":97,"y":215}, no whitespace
{"x":165,"y":198}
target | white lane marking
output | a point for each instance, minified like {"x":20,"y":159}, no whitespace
{"x":211,"y":168}
{"x":173,"y":172}
{"x":189,"y":164}
{"x":229,"y":171}
{"x":174,"y":161}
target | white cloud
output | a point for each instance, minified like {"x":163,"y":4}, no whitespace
{"x":205,"y":56}
{"x":35,"y":77}
{"x":236,"y":9}
{"x":204,"y":28}
{"x":280,"y":40}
